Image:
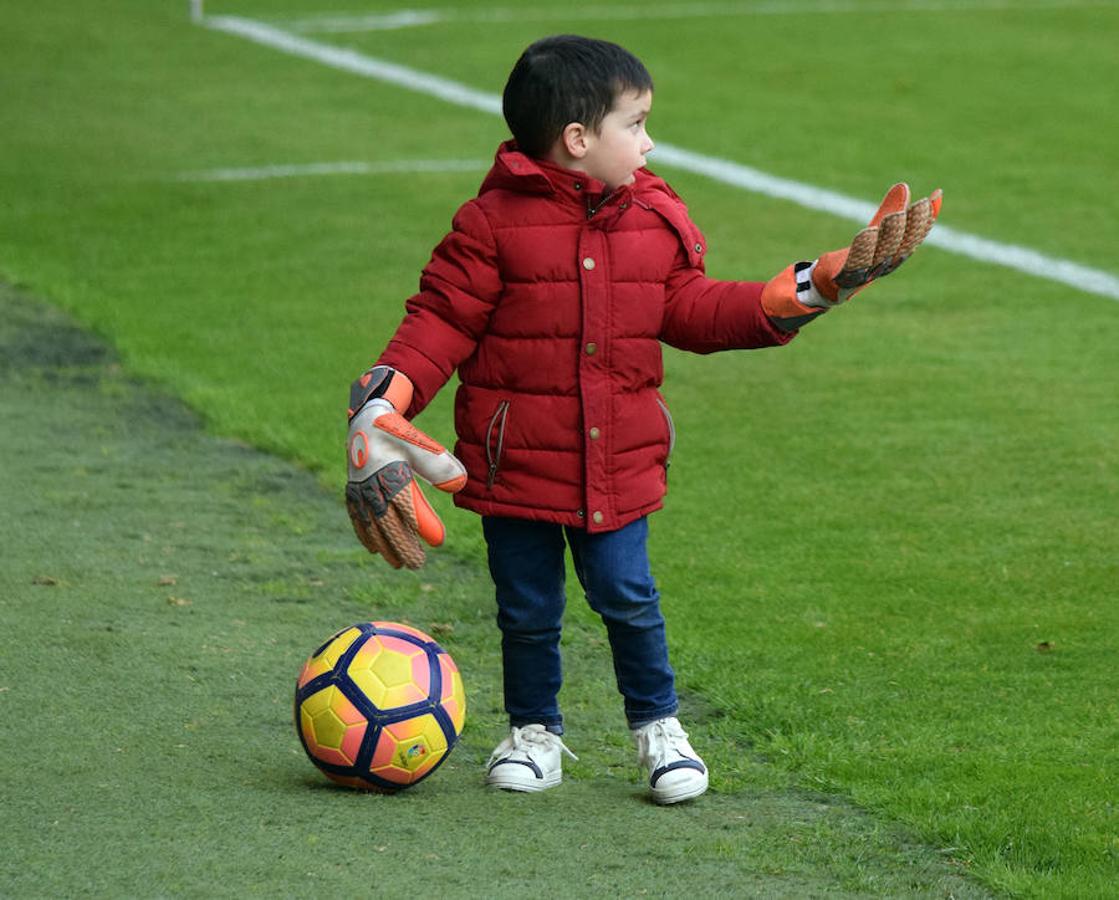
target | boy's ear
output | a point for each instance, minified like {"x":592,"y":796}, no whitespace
{"x":576,"y":139}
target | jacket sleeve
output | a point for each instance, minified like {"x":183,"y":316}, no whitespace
{"x":704,"y":315}
{"x":443,"y":322}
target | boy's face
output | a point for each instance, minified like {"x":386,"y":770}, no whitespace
{"x":618,"y":148}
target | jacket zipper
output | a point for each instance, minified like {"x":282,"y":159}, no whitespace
{"x":493,"y":455}
{"x":592,"y":210}
{"x":671,"y":430}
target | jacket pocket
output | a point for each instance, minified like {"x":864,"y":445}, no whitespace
{"x":495,"y":441}
{"x":671,"y":430}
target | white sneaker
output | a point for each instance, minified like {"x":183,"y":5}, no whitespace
{"x":528,"y":760}
{"x":675,"y":770}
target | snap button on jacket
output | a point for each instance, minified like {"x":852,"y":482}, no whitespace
{"x":551,"y":299}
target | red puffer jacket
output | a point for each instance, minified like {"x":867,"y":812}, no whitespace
{"x":551,"y":303}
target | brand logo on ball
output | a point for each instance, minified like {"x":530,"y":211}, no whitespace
{"x":412,"y":756}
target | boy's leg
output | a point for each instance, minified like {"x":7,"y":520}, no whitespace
{"x":614,"y":571}
{"x":613,"y":568}
{"x":526,"y":562}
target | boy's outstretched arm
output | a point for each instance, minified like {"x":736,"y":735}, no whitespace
{"x":806,"y":289}
{"x":387,"y":508}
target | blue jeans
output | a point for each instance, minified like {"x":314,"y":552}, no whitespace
{"x":527,"y":564}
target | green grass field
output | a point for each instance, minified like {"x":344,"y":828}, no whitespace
{"x":157,"y":618}
{"x":888,"y":558}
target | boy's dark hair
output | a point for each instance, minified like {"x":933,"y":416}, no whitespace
{"x":564,"y":79}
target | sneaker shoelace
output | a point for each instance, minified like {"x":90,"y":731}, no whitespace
{"x":527,"y":740}
{"x":660,"y":740}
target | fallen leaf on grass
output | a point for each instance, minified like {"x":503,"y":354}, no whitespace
{"x":167,"y":581}
{"x":45,"y":580}
{"x":1044,"y":647}
{"x":178,"y":601}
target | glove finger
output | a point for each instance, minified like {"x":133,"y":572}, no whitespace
{"x":376,"y":543}
{"x":890,"y":234}
{"x":919,"y":221}
{"x":407,"y":515}
{"x":860,"y":257}
{"x":443,"y":471}
{"x":388,"y":485}
{"x":427,"y":456}
{"x":360,"y":518}
{"x":428,"y":524}
{"x":365,"y":527}
{"x":354,"y":506}
{"x":399,"y":529}
{"x":362,"y":532}
{"x":895,"y":201}
{"x":387,"y":535}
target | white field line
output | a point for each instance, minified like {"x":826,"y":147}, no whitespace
{"x":341,"y":22}
{"x":406,"y":167}
{"x":346,"y":22}
{"x":1022,"y":259}
{"x":356,"y":63}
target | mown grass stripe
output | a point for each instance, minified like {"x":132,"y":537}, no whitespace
{"x":348,"y":23}
{"x":1022,"y":259}
{"x":352,"y":167}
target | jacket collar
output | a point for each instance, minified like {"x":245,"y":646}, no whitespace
{"x":515,"y":171}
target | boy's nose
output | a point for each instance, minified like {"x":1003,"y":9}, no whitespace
{"x":649,"y":145}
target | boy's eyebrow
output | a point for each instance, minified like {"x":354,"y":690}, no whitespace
{"x":643,"y":111}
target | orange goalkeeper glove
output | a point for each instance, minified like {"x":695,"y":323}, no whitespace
{"x":806,"y":289}
{"x":387,"y":508}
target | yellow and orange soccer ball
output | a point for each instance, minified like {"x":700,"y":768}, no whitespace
{"x":379,"y":706}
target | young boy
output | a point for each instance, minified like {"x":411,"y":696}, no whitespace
{"x":550,"y":297}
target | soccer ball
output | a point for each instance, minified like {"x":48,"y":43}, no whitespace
{"x":379,"y":706}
